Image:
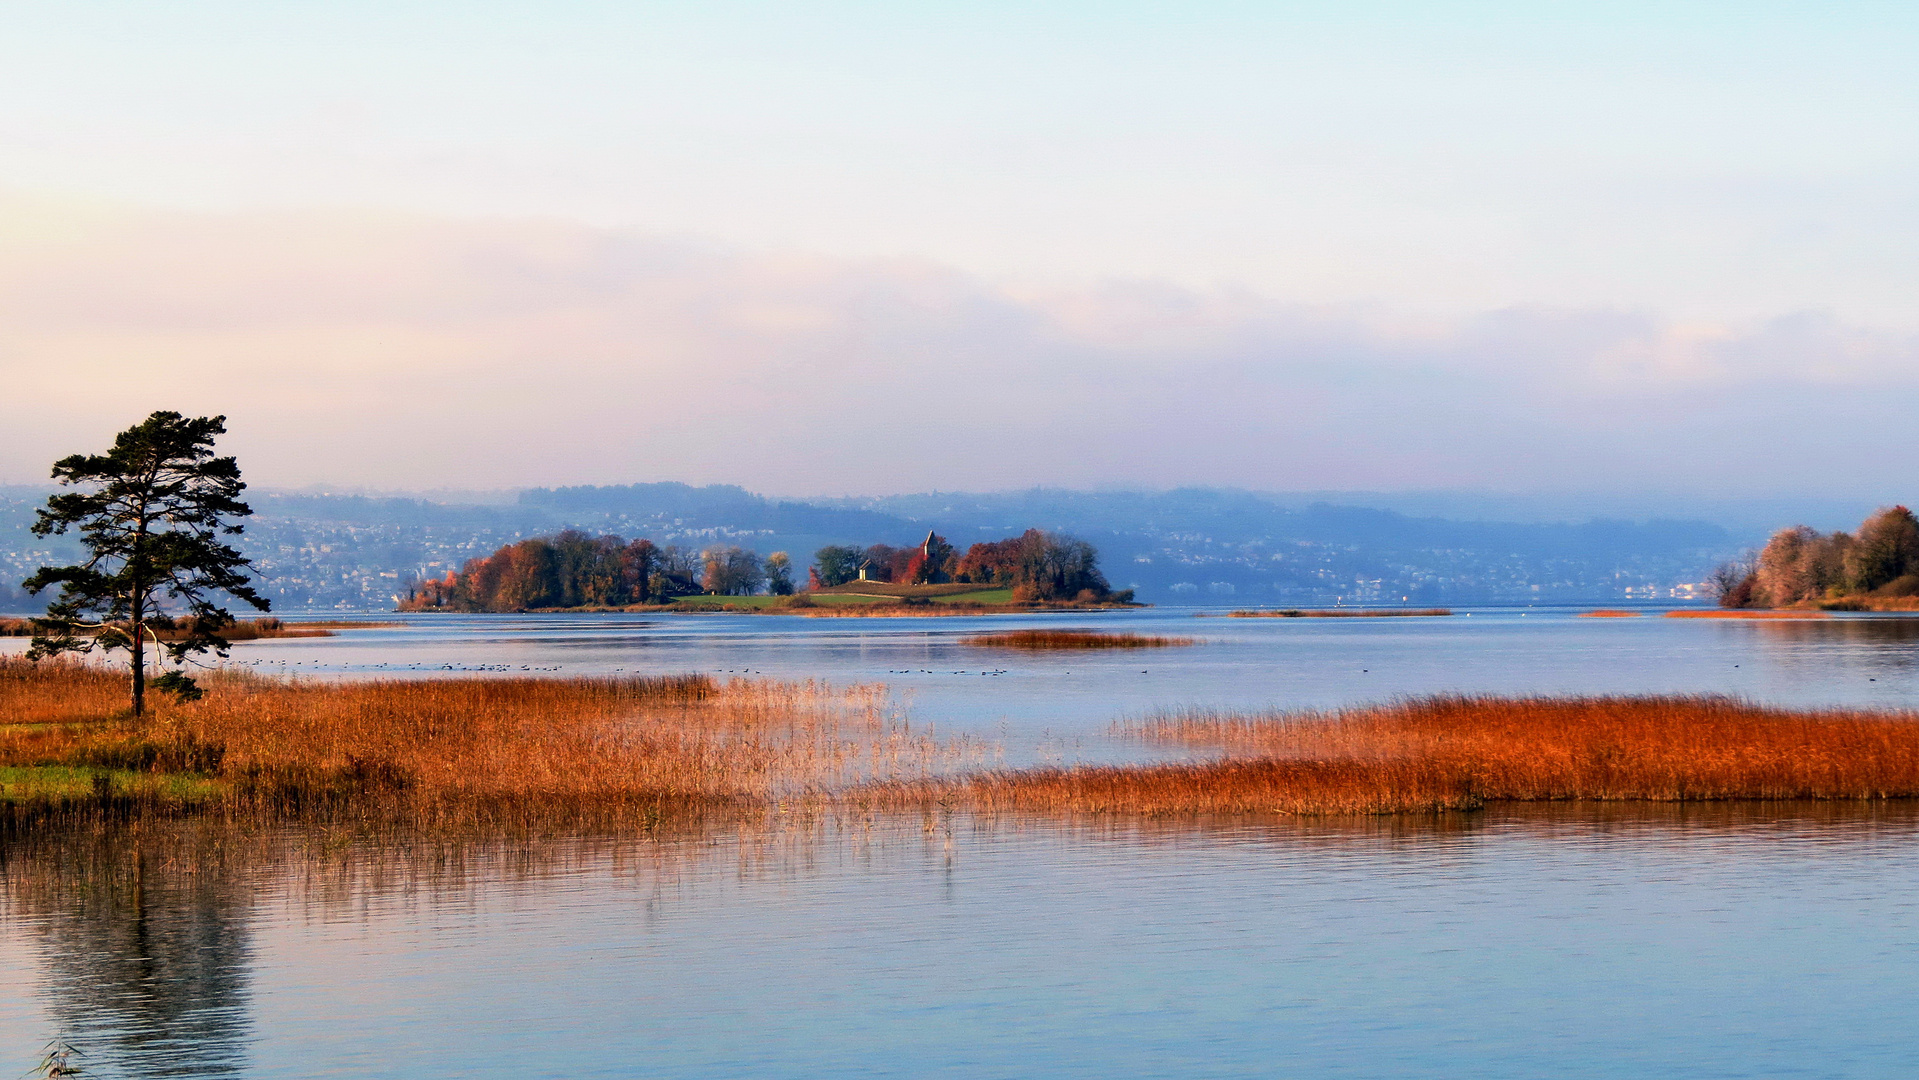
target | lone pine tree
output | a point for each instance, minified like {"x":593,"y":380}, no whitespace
{"x":151,"y":522}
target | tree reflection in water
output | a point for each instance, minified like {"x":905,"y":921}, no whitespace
{"x":1887,"y":643}
{"x":144,"y":946}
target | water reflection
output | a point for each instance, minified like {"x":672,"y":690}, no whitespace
{"x":1515,"y":942}
{"x":1877,"y":651}
{"x":144,"y":947}
{"x":1893,"y":630}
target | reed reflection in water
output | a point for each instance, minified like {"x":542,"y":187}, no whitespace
{"x":144,"y":947}
{"x":1617,"y":940}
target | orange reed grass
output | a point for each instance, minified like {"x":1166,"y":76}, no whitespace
{"x":1538,"y":749}
{"x":1459,"y":753}
{"x":1072,"y":639}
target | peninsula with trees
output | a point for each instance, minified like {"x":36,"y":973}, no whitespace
{"x":572,"y":571}
{"x":1875,"y":569}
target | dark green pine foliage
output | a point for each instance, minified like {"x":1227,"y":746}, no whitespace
{"x":151,"y":521}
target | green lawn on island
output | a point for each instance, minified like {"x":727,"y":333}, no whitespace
{"x":981,"y":596}
{"x":757,"y":602}
{"x":984,"y":596}
{"x":726,"y":601}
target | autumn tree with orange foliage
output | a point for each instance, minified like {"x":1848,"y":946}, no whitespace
{"x":1802,"y":566}
{"x":568,"y":570}
{"x":1039,"y":566}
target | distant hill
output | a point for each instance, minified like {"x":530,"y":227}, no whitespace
{"x":658,"y":509}
{"x":1189,"y":545}
{"x":1227,"y":515}
{"x":1212,"y":543}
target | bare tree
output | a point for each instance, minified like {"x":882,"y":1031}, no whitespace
{"x":731,"y":571}
{"x":1726,"y":578}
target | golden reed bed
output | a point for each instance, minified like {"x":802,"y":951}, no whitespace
{"x":1459,"y":753}
{"x":616,"y":748}
{"x":550,"y":752}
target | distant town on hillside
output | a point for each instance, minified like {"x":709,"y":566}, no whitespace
{"x":1191,"y":546}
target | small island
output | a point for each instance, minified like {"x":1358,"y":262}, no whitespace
{"x":1034,"y":571}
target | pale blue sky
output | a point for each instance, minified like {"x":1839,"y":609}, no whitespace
{"x":1707,"y":160}
{"x":1707,"y":172}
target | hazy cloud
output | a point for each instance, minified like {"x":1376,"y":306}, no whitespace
{"x":398,"y":351}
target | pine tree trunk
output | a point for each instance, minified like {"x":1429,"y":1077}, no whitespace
{"x":137,"y":613}
{"x":137,"y":624}
{"x":139,"y":669}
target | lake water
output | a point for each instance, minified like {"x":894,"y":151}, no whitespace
{"x":1766,"y":941}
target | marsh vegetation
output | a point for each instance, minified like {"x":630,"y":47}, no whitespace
{"x":550,"y":753}
{"x":1463,"y":753}
{"x":527,"y":750}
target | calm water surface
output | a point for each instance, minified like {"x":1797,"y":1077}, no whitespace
{"x":1715,"y":942}
{"x":1633,"y":944}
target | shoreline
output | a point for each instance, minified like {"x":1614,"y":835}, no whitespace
{"x":1332,"y":613}
{"x":262,"y":629}
{"x":859,"y":609}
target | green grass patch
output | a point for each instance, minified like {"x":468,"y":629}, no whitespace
{"x":946,"y":594}
{"x":67,"y":783}
{"x":761,"y":603}
{"x":898,"y":589}
{"x":983,"y":596}
{"x":725,"y":601}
